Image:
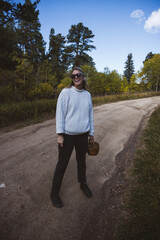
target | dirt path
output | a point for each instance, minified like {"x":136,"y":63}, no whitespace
{"x":28,"y":158}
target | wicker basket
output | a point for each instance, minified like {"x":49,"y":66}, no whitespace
{"x":93,"y":148}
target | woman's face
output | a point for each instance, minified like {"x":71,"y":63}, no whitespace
{"x":77,"y":79}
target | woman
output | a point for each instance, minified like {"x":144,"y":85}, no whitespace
{"x":74,"y":125}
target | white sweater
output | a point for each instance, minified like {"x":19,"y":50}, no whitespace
{"x":74,"y":113}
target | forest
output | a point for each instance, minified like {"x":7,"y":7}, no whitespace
{"x":29,"y":72}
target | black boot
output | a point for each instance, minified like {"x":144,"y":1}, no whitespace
{"x":87,"y":192}
{"x":56,"y":200}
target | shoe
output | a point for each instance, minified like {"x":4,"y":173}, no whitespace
{"x":56,"y":200}
{"x":87,"y":192}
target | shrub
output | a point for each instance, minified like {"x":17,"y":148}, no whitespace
{"x":43,"y":90}
{"x":17,"y":112}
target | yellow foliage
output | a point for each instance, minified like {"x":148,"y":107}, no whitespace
{"x":64,"y":83}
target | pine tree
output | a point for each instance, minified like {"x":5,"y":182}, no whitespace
{"x":56,"y":53}
{"x":80,"y":39}
{"x":30,"y":38}
{"x":8,"y":43}
{"x":129,"y":67}
{"x":150,"y":55}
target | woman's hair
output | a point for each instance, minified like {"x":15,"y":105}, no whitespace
{"x":84,"y":86}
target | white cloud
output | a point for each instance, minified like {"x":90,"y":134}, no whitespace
{"x":152,"y":24}
{"x":138,"y":14}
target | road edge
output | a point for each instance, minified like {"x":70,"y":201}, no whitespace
{"x":103,"y":222}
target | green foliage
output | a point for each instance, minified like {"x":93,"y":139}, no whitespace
{"x":41,"y":91}
{"x":115,"y":83}
{"x":142,"y":199}
{"x":45,"y":71}
{"x":12,"y":88}
{"x":80,"y":39}
{"x":18,"y":112}
{"x":64,"y":83}
{"x":150,"y":72}
{"x":27,"y":72}
{"x":149,"y":56}
{"x":88,"y":70}
{"x":134,"y":86}
{"x":96,"y":83}
{"x":129,"y":67}
{"x":106,"y":83}
{"x":7,"y":77}
{"x":30,"y":38}
{"x":56,"y":53}
{"x":124,"y":85}
{"x":7,"y":35}
{"x":5,"y":92}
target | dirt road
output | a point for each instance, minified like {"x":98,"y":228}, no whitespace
{"x":28,"y":157}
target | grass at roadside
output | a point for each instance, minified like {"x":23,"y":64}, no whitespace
{"x":24,"y":113}
{"x":141,"y":203}
{"x":120,"y":97}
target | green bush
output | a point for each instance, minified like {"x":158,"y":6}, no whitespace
{"x":18,"y":112}
{"x":41,"y":91}
{"x":8,"y":95}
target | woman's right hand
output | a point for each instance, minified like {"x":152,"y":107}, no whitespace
{"x":60,"y":140}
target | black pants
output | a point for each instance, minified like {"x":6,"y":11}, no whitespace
{"x":80,"y":142}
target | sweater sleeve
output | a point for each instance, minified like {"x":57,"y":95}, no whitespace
{"x":61,"y":111}
{"x":91,"y":131}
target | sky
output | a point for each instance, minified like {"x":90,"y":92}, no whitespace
{"x":120,"y":27}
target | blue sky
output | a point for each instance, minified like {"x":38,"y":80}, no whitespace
{"x":120,"y":27}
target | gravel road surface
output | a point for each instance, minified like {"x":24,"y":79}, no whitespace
{"x":27,"y":160}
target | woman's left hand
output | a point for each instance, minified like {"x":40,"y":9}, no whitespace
{"x":91,"y":139}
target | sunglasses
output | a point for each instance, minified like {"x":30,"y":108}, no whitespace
{"x":73,"y":76}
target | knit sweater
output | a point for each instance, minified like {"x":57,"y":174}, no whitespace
{"x":74,"y":113}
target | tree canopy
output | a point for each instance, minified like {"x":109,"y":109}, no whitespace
{"x":28,"y":70}
{"x":30,"y":39}
{"x":150,"y":72}
{"x":149,"y":56}
{"x":80,"y":39}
